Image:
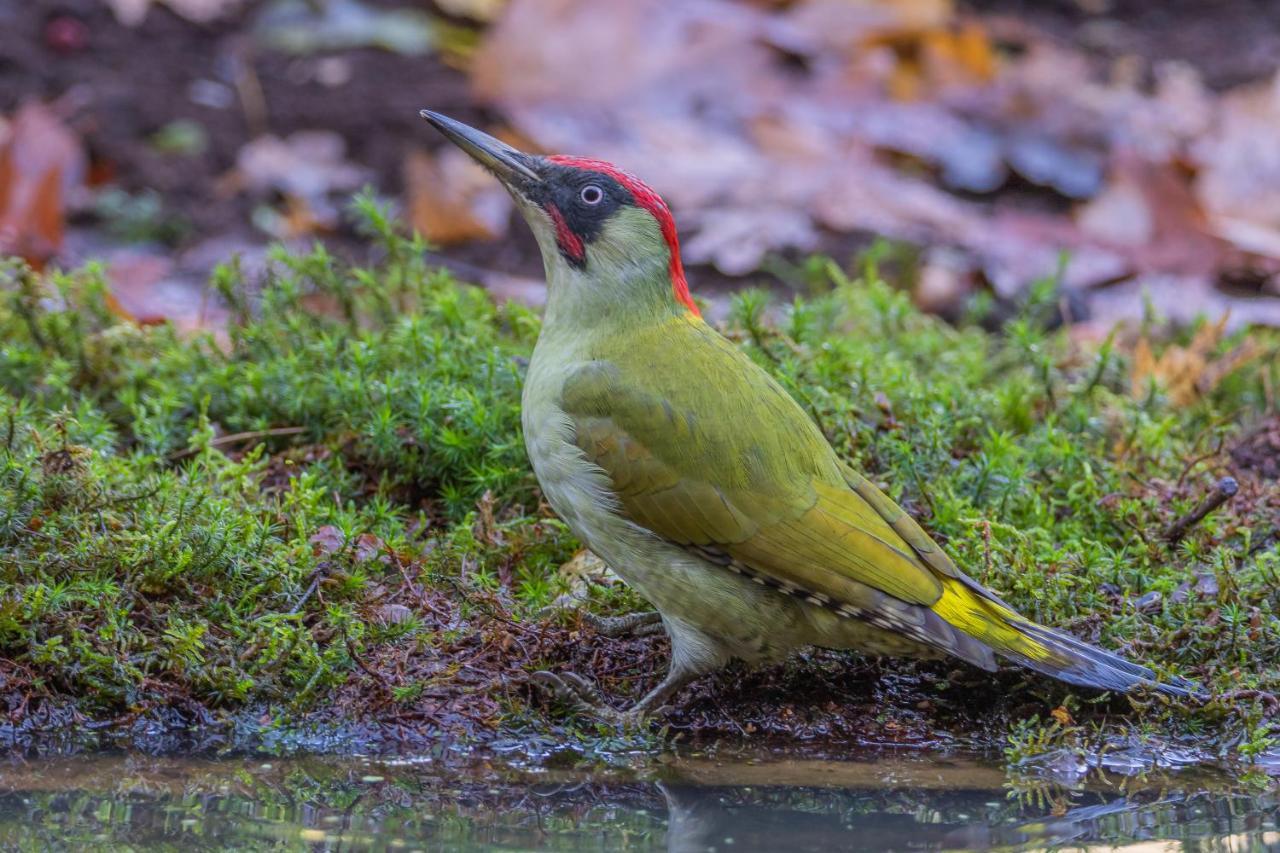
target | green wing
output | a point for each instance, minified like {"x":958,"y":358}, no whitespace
{"x":705,"y":450}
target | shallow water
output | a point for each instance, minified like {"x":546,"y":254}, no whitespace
{"x":723,"y":800}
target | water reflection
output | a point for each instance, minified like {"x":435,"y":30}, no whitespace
{"x":689,"y":803}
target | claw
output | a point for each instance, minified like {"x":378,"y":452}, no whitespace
{"x":631,"y":625}
{"x":582,"y":697}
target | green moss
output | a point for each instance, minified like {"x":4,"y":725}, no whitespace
{"x":226,"y":518}
{"x":145,"y":560}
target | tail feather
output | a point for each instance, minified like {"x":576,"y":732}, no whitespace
{"x":970,"y":608}
{"x":1081,"y":664}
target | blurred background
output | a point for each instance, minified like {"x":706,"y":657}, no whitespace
{"x":1128,"y":149}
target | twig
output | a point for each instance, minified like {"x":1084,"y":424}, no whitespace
{"x":1222,"y":492}
{"x":1270,"y":702}
{"x":237,"y":438}
{"x":355,"y":658}
{"x":311,"y":588}
{"x":1217,"y":451}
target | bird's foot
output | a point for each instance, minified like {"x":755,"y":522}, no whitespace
{"x":631,"y":625}
{"x":582,"y":697}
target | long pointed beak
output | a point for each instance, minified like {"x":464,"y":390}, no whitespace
{"x":514,"y":168}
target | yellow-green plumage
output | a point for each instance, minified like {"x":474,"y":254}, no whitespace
{"x":686,"y":467}
{"x":730,"y":467}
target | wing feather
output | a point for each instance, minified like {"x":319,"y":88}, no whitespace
{"x":738,"y":468}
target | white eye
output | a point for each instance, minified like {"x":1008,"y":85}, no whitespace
{"x":591,"y":194}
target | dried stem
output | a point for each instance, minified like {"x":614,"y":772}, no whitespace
{"x":1222,"y":492}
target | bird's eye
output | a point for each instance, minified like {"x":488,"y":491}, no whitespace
{"x":591,"y":194}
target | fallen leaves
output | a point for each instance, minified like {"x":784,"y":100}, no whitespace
{"x":1189,"y":372}
{"x":583,"y":571}
{"x":1239,"y":168}
{"x":766,"y":125}
{"x":42,"y":164}
{"x":308,"y":169}
{"x":452,"y":199}
{"x":771,"y":127}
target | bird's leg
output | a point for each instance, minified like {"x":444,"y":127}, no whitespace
{"x":631,"y":625}
{"x":581,"y":696}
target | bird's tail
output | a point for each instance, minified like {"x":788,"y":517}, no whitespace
{"x":1077,"y":662}
{"x":1059,"y":655}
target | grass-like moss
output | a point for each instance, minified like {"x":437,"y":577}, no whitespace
{"x":330,"y":497}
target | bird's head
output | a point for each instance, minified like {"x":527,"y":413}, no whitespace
{"x":606,"y":237}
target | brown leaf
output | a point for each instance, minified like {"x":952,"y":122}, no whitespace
{"x":1189,"y":372}
{"x":310,"y":169}
{"x":485,"y":529}
{"x":584,"y":569}
{"x":1239,"y":178}
{"x":326,"y":540}
{"x":452,"y":199}
{"x":368,"y":547}
{"x":894,"y":106}
{"x":394,"y":614}
{"x":135,"y":279}
{"x":1062,"y":715}
{"x":41,"y":164}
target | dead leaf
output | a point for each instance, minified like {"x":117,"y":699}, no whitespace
{"x":1062,"y":716}
{"x":1189,"y":372}
{"x":485,"y":530}
{"x":1178,"y":299}
{"x":452,"y":199}
{"x":394,"y":614}
{"x":736,"y":241}
{"x":309,"y":164}
{"x":1239,"y":177}
{"x":135,"y":278}
{"x":369,"y":547}
{"x":583,"y":570}
{"x":309,"y":168}
{"x":327,"y":540}
{"x":1119,"y":215}
{"x":42,"y":164}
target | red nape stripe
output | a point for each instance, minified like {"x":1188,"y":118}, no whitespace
{"x":648,"y":199}
{"x":570,"y":243}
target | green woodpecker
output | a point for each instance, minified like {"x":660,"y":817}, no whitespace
{"x":703,"y":484}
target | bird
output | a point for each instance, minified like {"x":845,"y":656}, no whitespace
{"x":704,"y":485}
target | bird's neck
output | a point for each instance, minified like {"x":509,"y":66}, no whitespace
{"x":610,"y":296}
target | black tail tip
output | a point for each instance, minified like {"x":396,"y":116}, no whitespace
{"x":1076,"y":662}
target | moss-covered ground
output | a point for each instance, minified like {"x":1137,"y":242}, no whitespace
{"x":326,"y":508}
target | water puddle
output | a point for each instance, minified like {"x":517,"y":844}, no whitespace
{"x":719,"y":800}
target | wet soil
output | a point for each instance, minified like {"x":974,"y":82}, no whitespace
{"x":1259,"y":451}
